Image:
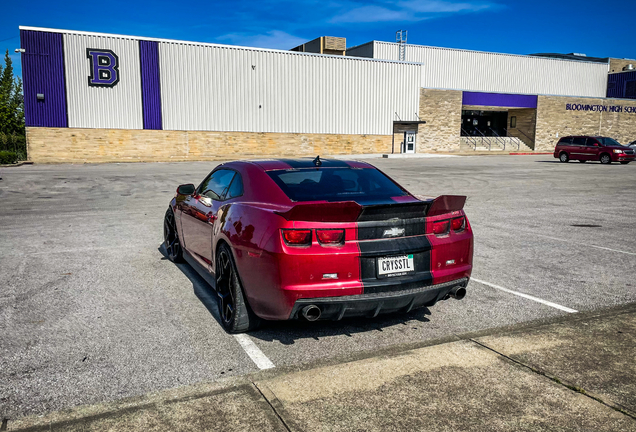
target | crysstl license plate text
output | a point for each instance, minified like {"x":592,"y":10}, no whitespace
{"x":395,"y":265}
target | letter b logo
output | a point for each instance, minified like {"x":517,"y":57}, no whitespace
{"x":104,"y":67}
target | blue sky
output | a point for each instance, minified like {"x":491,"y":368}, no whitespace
{"x":603,"y":29}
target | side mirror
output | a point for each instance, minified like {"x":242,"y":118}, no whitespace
{"x":186,"y":189}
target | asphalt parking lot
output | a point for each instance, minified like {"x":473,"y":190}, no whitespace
{"x":91,"y":310}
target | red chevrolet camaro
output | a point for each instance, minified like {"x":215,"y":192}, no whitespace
{"x":318,"y":239}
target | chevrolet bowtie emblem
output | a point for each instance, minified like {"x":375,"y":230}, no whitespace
{"x":393,"y":232}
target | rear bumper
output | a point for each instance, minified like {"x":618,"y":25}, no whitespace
{"x":371,"y":305}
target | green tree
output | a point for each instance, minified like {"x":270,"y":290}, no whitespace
{"x":11,"y":100}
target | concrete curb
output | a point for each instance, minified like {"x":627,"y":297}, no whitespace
{"x":519,"y":154}
{"x":16,"y":164}
{"x":270,"y":406}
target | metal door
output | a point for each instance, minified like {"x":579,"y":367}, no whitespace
{"x":409,"y":142}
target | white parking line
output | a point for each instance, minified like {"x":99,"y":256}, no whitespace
{"x":254,"y":352}
{"x":545,"y":302}
{"x":584,"y":244}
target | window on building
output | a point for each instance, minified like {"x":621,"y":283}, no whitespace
{"x":630,"y":89}
{"x":513,"y":121}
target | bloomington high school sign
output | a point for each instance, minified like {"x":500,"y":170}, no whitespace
{"x":104,"y":67}
{"x":601,"y":108}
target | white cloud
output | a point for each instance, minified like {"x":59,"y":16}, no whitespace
{"x":373,"y":14}
{"x":410,"y":10}
{"x":442,"y":6}
{"x":274,"y":39}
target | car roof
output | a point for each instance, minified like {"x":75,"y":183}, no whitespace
{"x":309,"y":162}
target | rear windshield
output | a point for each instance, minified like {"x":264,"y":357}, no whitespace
{"x":363,"y":185}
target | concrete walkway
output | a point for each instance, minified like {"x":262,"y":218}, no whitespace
{"x":575,"y":373}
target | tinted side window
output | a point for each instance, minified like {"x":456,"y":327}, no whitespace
{"x":236,"y":188}
{"x":565,"y":141}
{"x":578,"y":141}
{"x":609,"y":141}
{"x":591,"y":142}
{"x":216,"y":184}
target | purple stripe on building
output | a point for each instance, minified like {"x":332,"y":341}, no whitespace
{"x":150,"y":85}
{"x":622,"y":85}
{"x":43,"y":75}
{"x":499,"y":100}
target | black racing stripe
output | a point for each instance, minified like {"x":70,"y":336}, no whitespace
{"x":418,"y":280}
{"x":309,"y":163}
{"x":372,"y":230}
{"x":396,"y":246}
{"x":393,"y":211}
{"x":371,"y":250}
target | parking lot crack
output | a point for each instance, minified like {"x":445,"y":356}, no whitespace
{"x":561,"y":382}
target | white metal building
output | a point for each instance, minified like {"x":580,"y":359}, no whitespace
{"x":478,"y":71}
{"x":81,"y":88}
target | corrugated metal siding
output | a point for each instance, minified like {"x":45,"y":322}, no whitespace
{"x":500,"y":73}
{"x":219,"y":88}
{"x":118,"y":107}
{"x":43,"y":72}
{"x":364,"y":50}
{"x":617,"y":85}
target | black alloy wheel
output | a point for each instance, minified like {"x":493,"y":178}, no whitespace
{"x":606,"y":159}
{"x":563,"y":157}
{"x":171,"y":238}
{"x":235,"y":313}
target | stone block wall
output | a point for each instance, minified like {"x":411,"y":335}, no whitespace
{"x":442,"y":112}
{"x":74,"y":145}
{"x":617,"y":65}
{"x":526,"y":124}
{"x":554,"y":120}
{"x":398,"y":136}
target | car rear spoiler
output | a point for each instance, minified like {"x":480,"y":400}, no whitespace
{"x":350,"y":211}
{"x":446,"y":204}
{"x":346,"y":211}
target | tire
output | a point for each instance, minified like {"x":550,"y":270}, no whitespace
{"x":582,"y":161}
{"x":563,"y":157}
{"x":171,"y":238}
{"x":605,"y":159}
{"x":234,"y":312}
{"x":625,"y":162}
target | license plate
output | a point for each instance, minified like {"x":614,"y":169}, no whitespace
{"x":395,"y":265}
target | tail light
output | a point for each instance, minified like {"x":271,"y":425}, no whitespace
{"x":297,"y":237}
{"x":441,"y":227}
{"x":330,"y":236}
{"x":458,"y":224}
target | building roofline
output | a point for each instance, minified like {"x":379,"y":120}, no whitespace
{"x":489,"y":52}
{"x":361,"y":45}
{"x":238,"y":47}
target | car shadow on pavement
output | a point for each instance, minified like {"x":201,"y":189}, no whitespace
{"x":204,"y":292}
{"x":287,"y":332}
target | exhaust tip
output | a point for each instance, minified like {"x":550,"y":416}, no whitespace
{"x":458,"y":292}
{"x":311,"y":312}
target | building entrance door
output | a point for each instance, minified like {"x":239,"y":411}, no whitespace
{"x":409,"y":142}
{"x":484,"y":123}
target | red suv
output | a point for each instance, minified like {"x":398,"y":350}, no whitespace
{"x":587,"y":148}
